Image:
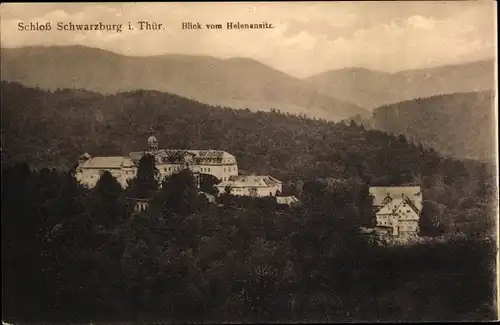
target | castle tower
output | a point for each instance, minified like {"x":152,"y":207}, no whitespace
{"x":152,"y":142}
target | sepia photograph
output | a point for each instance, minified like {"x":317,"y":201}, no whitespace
{"x":249,"y":162}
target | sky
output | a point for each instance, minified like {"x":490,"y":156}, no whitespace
{"x":308,"y":38}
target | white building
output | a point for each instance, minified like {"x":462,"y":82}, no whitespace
{"x":218,"y":163}
{"x":397,"y":209}
{"x":257,"y":186}
{"x":287,"y":200}
{"x":90,"y":169}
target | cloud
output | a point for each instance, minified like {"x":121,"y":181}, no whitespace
{"x":421,"y":22}
{"x":308,"y":38}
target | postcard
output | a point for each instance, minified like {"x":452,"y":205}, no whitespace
{"x":249,"y":162}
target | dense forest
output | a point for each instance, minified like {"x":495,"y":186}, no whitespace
{"x":72,"y":254}
{"x":79,"y":254}
{"x":290,"y":148}
{"x":458,"y":125}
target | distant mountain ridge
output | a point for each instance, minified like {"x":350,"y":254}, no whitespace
{"x":237,"y":83}
{"x":371,"y":89}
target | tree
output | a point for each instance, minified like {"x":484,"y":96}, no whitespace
{"x":23,"y":242}
{"x":365,"y":205}
{"x":178,"y":194}
{"x":207,"y":184}
{"x":92,"y":243}
{"x":145,"y":184}
{"x":431,"y":218}
{"x":107,"y":203}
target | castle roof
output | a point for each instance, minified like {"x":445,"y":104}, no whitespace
{"x":178,"y":155}
{"x":209,"y":154}
{"x":250,"y":181}
{"x":212,"y":154}
{"x":107,"y":162}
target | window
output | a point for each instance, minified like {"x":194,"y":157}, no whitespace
{"x":224,"y":169}
{"x":209,"y":170}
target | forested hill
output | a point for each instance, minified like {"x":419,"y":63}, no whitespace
{"x":51,"y":129}
{"x":237,"y":82}
{"x":459,"y":125}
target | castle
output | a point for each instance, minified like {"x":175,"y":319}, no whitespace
{"x":220,"y":164}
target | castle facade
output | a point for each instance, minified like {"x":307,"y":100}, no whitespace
{"x":217,"y":163}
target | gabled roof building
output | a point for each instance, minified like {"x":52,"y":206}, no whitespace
{"x":397,"y":209}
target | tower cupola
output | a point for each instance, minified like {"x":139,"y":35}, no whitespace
{"x":152,"y":142}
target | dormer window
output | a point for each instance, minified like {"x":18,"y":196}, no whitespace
{"x":387,"y":200}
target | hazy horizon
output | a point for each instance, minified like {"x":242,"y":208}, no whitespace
{"x":248,"y":58}
{"x":308,"y":38}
